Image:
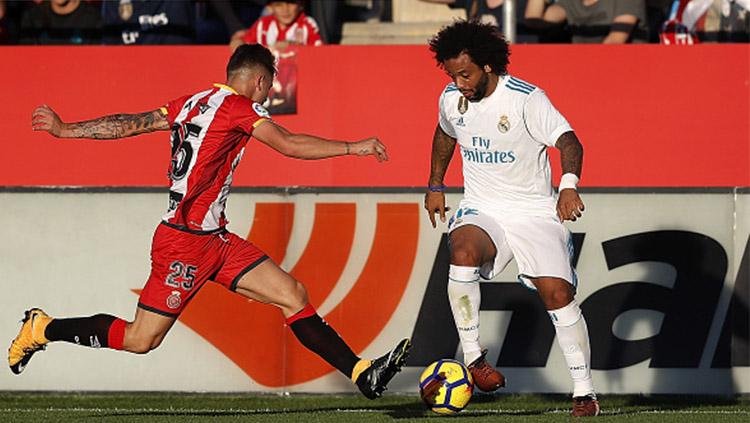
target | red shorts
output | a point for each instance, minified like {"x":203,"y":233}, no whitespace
{"x":181,"y":262}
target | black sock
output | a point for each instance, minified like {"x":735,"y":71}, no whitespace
{"x":318,"y":337}
{"x":89,"y":331}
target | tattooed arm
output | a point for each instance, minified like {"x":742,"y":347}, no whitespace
{"x":571,"y":153}
{"x":569,"y":203}
{"x":102,"y":128}
{"x":442,"y":152}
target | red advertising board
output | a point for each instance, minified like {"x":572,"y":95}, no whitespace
{"x":648,"y":116}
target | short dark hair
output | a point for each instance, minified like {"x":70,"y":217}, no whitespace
{"x":251,"y":55}
{"x":482,"y":42}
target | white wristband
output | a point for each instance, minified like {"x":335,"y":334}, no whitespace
{"x":568,"y":180}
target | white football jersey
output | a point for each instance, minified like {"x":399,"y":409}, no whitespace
{"x":503,"y":141}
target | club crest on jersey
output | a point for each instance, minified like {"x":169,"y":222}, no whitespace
{"x":174,"y":300}
{"x":504,"y":124}
{"x":125,"y":9}
{"x":463,"y":104}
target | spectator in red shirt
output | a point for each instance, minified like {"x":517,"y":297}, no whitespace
{"x":286,"y":25}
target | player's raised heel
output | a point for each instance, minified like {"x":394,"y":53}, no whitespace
{"x":30,"y":339}
{"x":586,"y":406}
{"x":485,"y":376}
{"x":373,"y":381}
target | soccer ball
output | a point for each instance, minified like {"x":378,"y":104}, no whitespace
{"x":446,"y":386}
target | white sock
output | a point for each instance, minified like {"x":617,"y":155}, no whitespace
{"x":464,"y":297}
{"x":573,"y":338}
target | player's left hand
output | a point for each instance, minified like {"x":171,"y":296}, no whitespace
{"x":369,"y":146}
{"x":434,"y":203}
{"x":569,"y":205}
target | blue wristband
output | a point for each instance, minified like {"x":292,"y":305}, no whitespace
{"x":436,"y":188}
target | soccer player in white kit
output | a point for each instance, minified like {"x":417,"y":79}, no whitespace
{"x":503,"y":126}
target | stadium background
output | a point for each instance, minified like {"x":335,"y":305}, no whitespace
{"x":666,"y":177}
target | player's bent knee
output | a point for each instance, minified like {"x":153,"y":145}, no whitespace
{"x":563,"y":296}
{"x":465,"y":257}
{"x":297,"y":297}
{"x":290,"y":296}
{"x":556,"y":298}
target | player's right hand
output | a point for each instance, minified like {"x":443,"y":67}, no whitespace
{"x":434,"y":203}
{"x":369,"y":147}
{"x":45,"y":119}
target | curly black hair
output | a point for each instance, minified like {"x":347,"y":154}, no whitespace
{"x":482,"y":42}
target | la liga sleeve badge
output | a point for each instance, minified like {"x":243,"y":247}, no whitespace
{"x":261,"y":111}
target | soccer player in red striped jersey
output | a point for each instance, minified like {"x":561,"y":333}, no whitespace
{"x":209,"y":131}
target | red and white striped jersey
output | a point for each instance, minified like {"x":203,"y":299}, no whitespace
{"x":267,"y":32}
{"x":209,"y":133}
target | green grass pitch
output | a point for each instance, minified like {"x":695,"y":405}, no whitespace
{"x":169,"y":407}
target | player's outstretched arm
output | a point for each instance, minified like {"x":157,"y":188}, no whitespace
{"x":102,"y":128}
{"x":310,"y":147}
{"x":442,"y":152}
{"x":569,"y":203}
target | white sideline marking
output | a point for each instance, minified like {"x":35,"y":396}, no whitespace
{"x":346,"y":410}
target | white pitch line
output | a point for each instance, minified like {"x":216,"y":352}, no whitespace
{"x":694,"y":412}
{"x":150,"y":410}
{"x":347,"y":410}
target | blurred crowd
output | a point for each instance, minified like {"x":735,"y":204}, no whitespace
{"x":282,"y":23}
{"x":618,"y":21}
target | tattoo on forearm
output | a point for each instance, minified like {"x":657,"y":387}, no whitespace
{"x":119,"y":125}
{"x":571,"y":153}
{"x":442,"y":152}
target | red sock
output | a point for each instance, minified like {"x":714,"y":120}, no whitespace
{"x":116,"y":334}
{"x":308,"y":311}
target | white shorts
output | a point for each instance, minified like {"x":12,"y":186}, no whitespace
{"x":541,"y":245}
